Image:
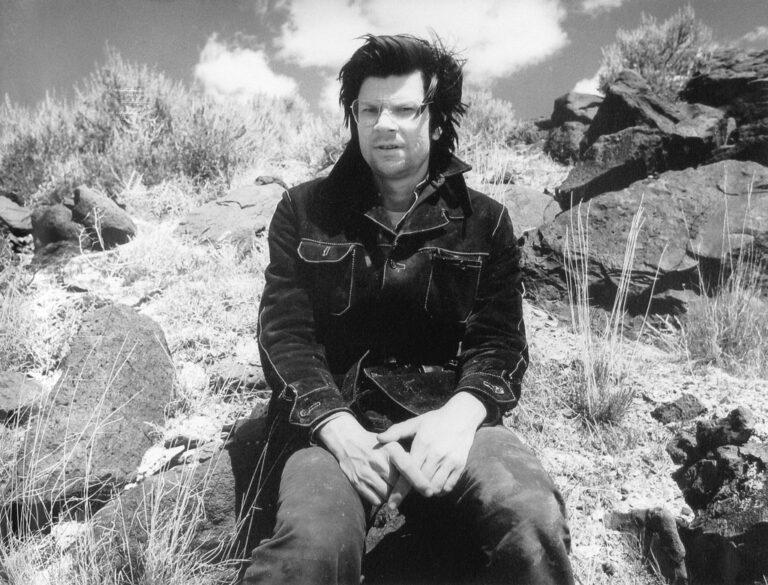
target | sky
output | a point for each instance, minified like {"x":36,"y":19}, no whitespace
{"x":525,"y":51}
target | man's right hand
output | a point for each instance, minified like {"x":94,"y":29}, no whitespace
{"x":372,"y":468}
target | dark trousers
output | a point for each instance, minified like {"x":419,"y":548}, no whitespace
{"x":503,"y":523}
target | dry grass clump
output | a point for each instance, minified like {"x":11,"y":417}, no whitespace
{"x":600,"y":391}
{"x":729,"y":327}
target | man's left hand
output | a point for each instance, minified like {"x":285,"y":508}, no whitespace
{"x":442,"y":439}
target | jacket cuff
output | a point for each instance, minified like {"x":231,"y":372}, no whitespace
{"x":313,"y":405}
{"x":499,"y":393}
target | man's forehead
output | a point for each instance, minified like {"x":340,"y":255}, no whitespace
{"x":407,"y":86}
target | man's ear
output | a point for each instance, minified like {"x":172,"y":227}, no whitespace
{"x":437,"y":133}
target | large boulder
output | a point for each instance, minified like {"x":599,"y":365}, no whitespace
{"x":237,"y":217}
{"x":736,"y":81}
{"x":635,"y":134}
{"x":724,"y":480}
{"x":14,"y":217}
{"x":695,"y":221}
{"x":90,"y":433}
{"x":107,"y":224}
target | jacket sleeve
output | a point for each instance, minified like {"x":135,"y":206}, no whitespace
{"x":494,"y":352}
{"x":294,"y":363}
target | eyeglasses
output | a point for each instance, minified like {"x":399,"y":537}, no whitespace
{"x":368,"y":113}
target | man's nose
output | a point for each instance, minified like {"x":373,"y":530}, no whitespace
{"x":385,"y":121}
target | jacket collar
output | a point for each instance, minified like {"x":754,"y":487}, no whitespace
{"x":350,"y":186}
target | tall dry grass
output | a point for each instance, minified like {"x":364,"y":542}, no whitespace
{"x":600,"y":391}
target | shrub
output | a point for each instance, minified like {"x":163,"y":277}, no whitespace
{"x":666,"y":54}
{"x":129,"y":124}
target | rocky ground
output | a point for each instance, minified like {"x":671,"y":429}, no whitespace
{"x":600,"y":470}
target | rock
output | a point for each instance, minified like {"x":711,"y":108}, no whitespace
{"x":735,"y":429}
{"x":189,"y":507}
{"x":53,"y":223}
{"x":683,"y":448}
{"x":529,"y":208}
{"x":668,"y":260}
{"x":635,"y":134}
{"x":736,"y":81}
{"x":19,"y":397}
{"x":629,"y":102}
{"x":106,"y":223}
{"x":16,"y":218}
{"x":684,"y":408}
{"x":657,"y":530}
{"x":614,"y":161}
{"x":575,"y":107}
{"x":100,"y":416}
{"x":236,"y":217}
{"x":724,"y":480}
{"x":564,"y":142}
{"x":733,"y":79}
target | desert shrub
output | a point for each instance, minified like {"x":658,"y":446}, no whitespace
{"x":489,"y":121}
{"x":129,"y":121}
{"x":665,"y":53}
{"x":729,"y":326}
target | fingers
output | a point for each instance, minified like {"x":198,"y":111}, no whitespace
{"x":402,"y":488}
{"x":399,"y":431}
{"x":409,"y":469}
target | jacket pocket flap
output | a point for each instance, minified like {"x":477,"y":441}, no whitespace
{"x":312,"y":251}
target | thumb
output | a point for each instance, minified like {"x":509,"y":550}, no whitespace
{"x":399,"y":431}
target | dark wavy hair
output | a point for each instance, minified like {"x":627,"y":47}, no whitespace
{"x":441,"y":72}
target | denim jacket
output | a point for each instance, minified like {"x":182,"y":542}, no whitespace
{"x":342,"y":281}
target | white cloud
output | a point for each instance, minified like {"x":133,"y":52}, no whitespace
{"x":597,"y":6}
{"x":239,"y":73}
{"x":588,"y":85}
{"x":760,"y":34}
{"x":497,"y":37}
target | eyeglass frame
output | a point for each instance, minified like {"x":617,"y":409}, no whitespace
{"x":419,"y":112}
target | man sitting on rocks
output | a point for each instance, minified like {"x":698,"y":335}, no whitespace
{"x":392,"y":336}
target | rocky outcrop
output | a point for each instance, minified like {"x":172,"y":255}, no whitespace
{"x":737,"y":82}
{"x":236,"y":217}
{"x":695,"y":222}
{"x":724,"y":479}
{"x":635,"y":134}
{"x":89,"y":435}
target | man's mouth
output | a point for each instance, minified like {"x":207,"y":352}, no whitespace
{"x":388,"y":147}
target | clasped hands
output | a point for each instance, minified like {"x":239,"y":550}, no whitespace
{"x":381,"y":470}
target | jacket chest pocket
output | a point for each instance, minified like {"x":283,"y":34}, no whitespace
{"x":331,"y":271}
{"x":453,"y":282}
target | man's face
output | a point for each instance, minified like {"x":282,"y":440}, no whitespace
{"x":395,"y":149}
